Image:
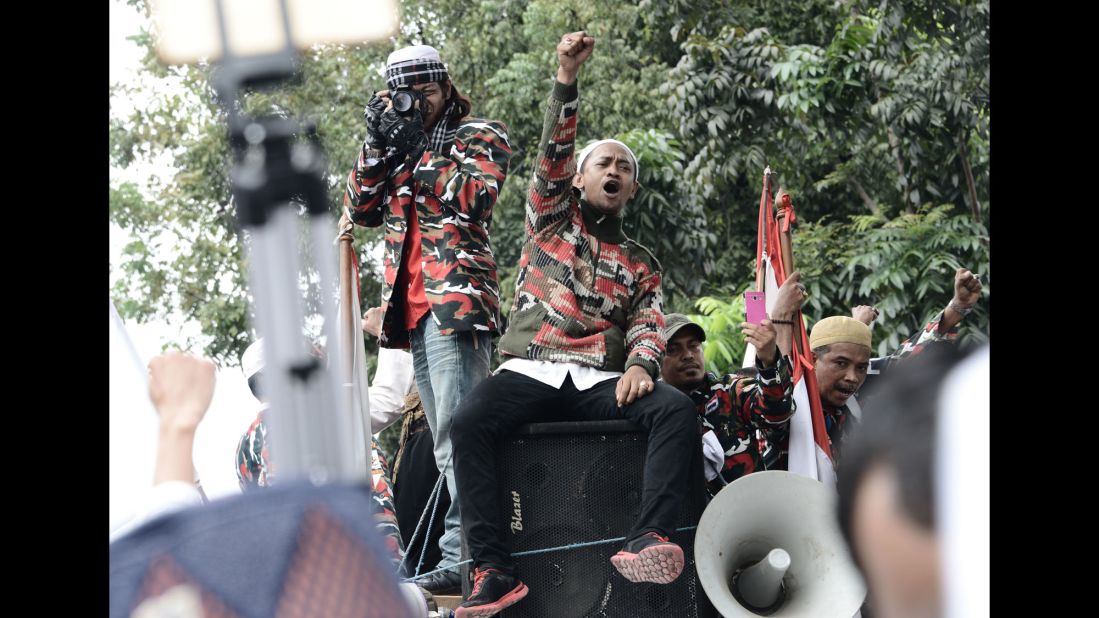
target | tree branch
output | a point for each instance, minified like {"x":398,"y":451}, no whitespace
{"x":972,"y":189}
{"x":895,"y":146}
{"x":866,"y":199}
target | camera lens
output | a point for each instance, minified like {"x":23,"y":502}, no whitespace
{"x":402,"y":101}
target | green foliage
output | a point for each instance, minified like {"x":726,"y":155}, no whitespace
{"x":388,"y":440}
{"x":858,"y":107}
{"x":188,"y":257}
{"x":668,"y":218}
{"x":725,"y":345}
{"x":870,"y":113}
{"x":904,"y":267}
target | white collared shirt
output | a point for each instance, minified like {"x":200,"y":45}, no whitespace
{"x":393,"y":380}
{"x":552,"y":373}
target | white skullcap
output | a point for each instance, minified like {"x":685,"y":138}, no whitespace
{"x":413,"y":52}
{"x":251,"y":362}
{"x":591,"y":148}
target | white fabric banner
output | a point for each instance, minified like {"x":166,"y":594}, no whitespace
{"x":359,"y":386}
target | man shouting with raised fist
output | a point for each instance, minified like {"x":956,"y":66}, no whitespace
{"x":585,"y":342}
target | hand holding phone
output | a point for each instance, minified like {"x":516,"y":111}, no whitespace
{"x":755,"y":306}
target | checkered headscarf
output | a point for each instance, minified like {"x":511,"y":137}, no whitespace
{"x":418,"y":64}
{"x":421,"y":64}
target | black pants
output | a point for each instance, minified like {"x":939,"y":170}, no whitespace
{"x":411,"y":492}
{"x":503,"y":402}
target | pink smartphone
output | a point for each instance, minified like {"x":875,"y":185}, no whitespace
{"x":755,"y":306}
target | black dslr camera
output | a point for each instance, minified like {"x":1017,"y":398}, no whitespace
{"x":404,"y":100}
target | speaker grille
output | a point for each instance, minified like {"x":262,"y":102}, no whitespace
{"x":569,"y":483}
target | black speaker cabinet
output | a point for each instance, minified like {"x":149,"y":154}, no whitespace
{"x":569,"y":483}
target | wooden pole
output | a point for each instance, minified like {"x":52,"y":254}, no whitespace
{"x":764,"y":225}
{"x":786,"y":246}
{"x":784,"y":241}
{"x":349,"y":320}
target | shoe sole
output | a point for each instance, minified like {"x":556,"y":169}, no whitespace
{"x":657,"y":564}
{"x":491,"y":609}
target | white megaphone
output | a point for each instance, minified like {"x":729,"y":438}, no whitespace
{"x":769,"y":545}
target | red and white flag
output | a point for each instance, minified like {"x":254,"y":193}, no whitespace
{"x":809,"y":451}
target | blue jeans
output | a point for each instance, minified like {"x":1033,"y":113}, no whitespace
{"x":447,"y":369}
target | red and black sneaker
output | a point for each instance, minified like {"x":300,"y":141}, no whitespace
{"x":649,"y":558}
{"x":492,"y":592}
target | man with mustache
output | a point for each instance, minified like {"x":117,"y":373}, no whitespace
{"x":584,"y":341}
{"x":733,"y":407}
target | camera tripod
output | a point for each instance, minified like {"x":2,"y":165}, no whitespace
{"x":278,"y":187}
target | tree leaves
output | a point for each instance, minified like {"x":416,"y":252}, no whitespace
{"x":904,"y":266}
{"x":868,"y":112}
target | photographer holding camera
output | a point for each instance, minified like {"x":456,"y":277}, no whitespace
{"x":431,"y":175}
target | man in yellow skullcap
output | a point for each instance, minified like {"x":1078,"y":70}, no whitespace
{"x":841,"y":348}
{"x":841,"y":355}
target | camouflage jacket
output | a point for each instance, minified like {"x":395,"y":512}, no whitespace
{"x":915,"y":344}
{"x":452,"y":194}
{"x":252,"y":455}
{"x":584,"y":293}
{"x":736,"y":405}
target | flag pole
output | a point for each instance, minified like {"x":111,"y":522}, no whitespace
{"x":764,"y":230}
{"x":355,"y":385}
{"x":348,"y":313}
{"x":785,"y":218}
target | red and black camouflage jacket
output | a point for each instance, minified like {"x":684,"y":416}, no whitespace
{"x":736,"y":405}
{"x":584,"y":293}
{"x":452,"y":194}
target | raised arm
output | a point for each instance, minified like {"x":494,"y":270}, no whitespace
{"x":548,"y":198}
